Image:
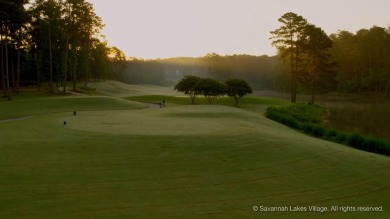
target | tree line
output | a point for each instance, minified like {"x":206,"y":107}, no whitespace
{"x":211,"y":88}
{"x":48,"y":43}
{"x":51,"y":43}
{"x":308,"y":61}
{"x":355,"y":63}
{"x":261,"y":72}
{"x":363,"y":60}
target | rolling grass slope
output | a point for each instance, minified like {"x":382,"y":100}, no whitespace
{"x":119,"y":89}
{"x":177,"y":162}
{"x":35,"y":106}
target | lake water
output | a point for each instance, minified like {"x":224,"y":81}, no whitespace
{"x":368,"y":117}
{"x":350,"y":113}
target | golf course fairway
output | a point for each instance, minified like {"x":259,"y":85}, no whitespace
{"x":123,"y":159}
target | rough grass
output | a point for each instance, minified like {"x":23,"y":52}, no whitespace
{"x":49,"y":170}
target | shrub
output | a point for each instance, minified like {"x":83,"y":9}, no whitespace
{"x":291,"y":122}
{"x":307,"y":128}
{"x":314,"y":129}
{"x":306,"y":112}
{"x":356,"y":140}
{"x":373,"y":144}
{"x":331,"y":134}
{"x":377,"y":145}
{"x":318,"y":131}
{"x":341,"y":138}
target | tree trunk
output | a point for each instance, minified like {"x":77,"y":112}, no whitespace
{"x":74,"y":80}
{"x":67,"y":47}
{"x":51,"y":63}
{"x":18,"y":72}
{"x":13,"y":76}
{"x":86,"y":66}
{"x":7,"y":69}
{"x":292,"y":72}
{"x":3,"y":86}
{"x":313,"y":91}
{"x":296,"y":74}
{"x":66,"y":63}
{"x":361,"y":82}
{"x":86,"y":76}
{"x":38,"y":71}
{"x":236,"y":101}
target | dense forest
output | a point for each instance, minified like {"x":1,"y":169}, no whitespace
{"x":49,"y":43}
{"x":46,"y":44}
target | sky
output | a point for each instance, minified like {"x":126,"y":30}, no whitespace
{"x":171,"y":28}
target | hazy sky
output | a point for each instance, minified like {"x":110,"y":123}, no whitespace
{"x":169,"y":28}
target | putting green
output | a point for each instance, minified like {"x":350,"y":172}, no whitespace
{"x":184,"y":120}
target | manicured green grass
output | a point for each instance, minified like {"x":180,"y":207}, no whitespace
{"x":27,"y":106}
{"x":245,"y":102}
{"x":118,"y":89}
{"x":181,"y":161}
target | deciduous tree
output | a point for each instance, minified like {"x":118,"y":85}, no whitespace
{"x":237,"y":88}
{"x":211,"y":89}
{"x":188,"y":85}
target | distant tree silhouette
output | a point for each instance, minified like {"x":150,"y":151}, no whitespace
{"x":188,"y":85}
{"x":316,"y":47}
{"x":288,"y":41}
{"x":363,"y":60}
{"x":237,"y":89}
{"x":211,"y":89}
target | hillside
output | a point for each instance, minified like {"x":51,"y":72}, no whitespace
{"x":118,"y":159}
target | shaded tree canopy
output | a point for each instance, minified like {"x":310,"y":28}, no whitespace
{"x":363,"y":60}
{"x":188,"y":85}
{"x":288,"y":41}
{"x":316,"y":53}
{"x":51,"y":43}
{"x":211,"y":89}
{"x":237,"y":88}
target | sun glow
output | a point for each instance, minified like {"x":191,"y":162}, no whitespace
{"x":154,"y":28}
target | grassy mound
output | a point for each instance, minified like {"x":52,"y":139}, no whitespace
{"x":35,"y":106}
{"x":176,"y":121}
{"x":93,"y":167}
{"x":200,"y":100}
{"x":119,"y":89}
{"x":79,"y":173}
